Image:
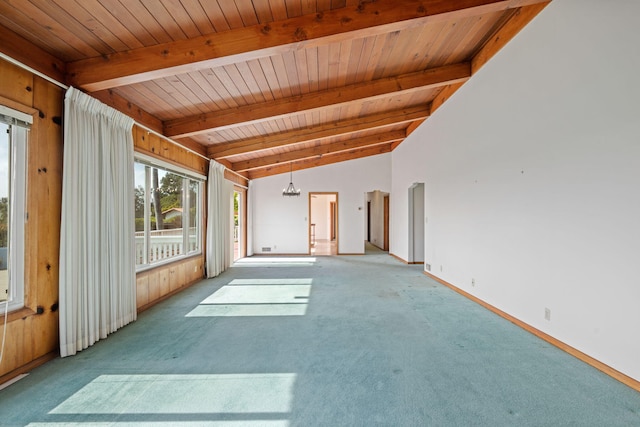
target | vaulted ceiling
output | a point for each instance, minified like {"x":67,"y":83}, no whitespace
{"x":265,"y":85}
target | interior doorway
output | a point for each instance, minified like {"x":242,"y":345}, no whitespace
{"x":385,"y":223}
{"x":378,"y":219}
{"x":323,"y":223}
{"x":239,"y":223}
{"x":416,"y":224}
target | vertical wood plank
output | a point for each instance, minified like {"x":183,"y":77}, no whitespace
{"x":142,"y":291}
{"x":291,"y":70}
{"x":45,"y":336}
{"x":141,"y":14}
{"x":167,"y":149}
{"x":278,"y":9}
{"x":263,"y":11}
{"x":261,"y":79}
{"x":216,"y":16}
{"x":247,"y":12}
{"x":164,"y":19}
{"x":153,"y":283}
{"x":155,"y":144}
{"x":16,"y":354}
{"x":141,"y":138}
{"x":270,"y":76}
{"x":323,"y":64}
{"x":181,"y":17}
{"x":16,"y":84}
{"x":44,"y":205}
{"x":230,"y":12}
{"x":181,"y":275}
{"x":163,"y":276}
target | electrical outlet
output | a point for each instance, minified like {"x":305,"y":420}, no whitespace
{"x":473,"y":282}
{"x":547,"y":313}
{"x":441,"y":267}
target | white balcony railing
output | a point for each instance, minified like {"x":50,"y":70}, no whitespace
{"x":164,"y":244}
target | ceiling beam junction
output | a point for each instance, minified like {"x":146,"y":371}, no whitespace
{"x":319,"y":150}
{"x":299,"y":104}
{"x":313,"y":162}
{"x":318,"y":132}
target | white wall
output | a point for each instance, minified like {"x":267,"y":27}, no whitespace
{"x":282,"y":223}
{"x":377,"y":218}
{"x":532,"y":174}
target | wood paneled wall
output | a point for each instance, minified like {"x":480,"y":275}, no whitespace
{"x":153,"y":145}
{"x":157,"y":284}
{"x":32,"y":332}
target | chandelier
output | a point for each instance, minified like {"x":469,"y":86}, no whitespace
{"x":291,"y":190}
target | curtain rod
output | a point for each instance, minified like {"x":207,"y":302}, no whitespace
{"x":36,"y":72}
{"x":65,"y":87}
{"x":192,"y":151}
{"x":172,"y":141}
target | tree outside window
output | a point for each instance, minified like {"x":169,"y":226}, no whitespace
{"x":163,"y":228}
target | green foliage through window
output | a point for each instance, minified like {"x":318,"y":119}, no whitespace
{"x":164,"y":228}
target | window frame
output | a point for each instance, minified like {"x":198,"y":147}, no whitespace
{"x":188,"y":176}
{"x":19,"y":125}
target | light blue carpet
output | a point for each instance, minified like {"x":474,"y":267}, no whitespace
{"x":340,"y":341}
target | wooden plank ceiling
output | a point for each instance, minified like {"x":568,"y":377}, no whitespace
{"x":265,"y":85}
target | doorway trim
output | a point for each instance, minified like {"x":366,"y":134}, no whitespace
{"x":385,"y":223}
{"x":242,"y":221}
{"x":415,"y":223}
{"x":377,"y":219}
{"x":334,"y":221}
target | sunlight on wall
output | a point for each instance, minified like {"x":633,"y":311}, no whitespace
{"x":257,"y":297}
{"x":180,"y":400}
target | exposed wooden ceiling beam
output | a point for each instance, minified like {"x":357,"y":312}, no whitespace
{"x":236,"y":178}
{"x":407,"y":83}
{"x":319,"y":150}
{"x":355,"y":153}
{"x":444,"y":94}
{"x":116,"y":101}
{"x":521,"y":17}
{"x":325,"y":130}
{"x":413,"y":126}
{"x":518,"y":21}
{"x":243,"y":44}
{"x":25,"y":52}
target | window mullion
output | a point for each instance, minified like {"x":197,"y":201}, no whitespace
{"x":185,"y":215}
{"x":147,"y":214}
{"x":169,"y":244}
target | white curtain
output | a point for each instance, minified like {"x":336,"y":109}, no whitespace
{"x":219,"y":221}
{"x":97,"y":262}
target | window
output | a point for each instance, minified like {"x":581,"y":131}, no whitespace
{"x":14,"y":134}
{"x":167,"y":214}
